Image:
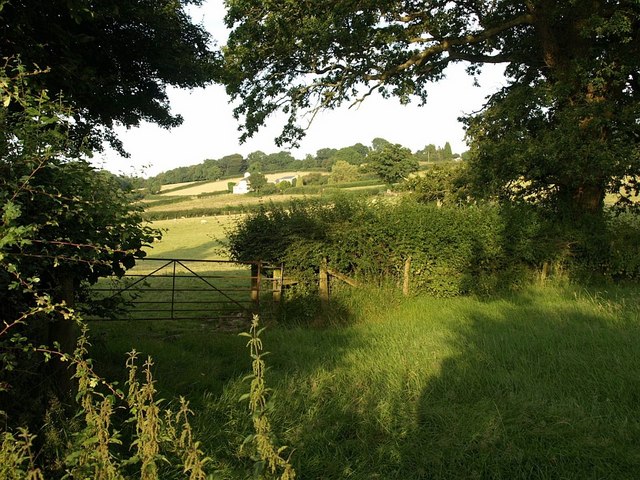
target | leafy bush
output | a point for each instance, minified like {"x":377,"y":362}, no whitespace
{"x":623,"y":245}
{"x":452,"y":249}
{"x":315,"y":178}
{"x":440,"y":183}
{"x":64,"y":223}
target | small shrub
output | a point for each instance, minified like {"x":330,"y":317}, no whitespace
{"x":314,"y":178}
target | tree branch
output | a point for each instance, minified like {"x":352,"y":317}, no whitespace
{"x":446,"y":45}
{"x":480,"y":58}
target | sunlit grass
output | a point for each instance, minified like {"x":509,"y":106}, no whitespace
{"x":540,"y":384}
{"x":220,"y":201}
{"x":192,"y":238}
{"x":222,"y":185}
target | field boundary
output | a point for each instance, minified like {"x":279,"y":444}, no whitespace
{"x":182,"y":289}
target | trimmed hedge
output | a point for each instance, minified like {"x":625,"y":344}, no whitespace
{"x":453,"y":249}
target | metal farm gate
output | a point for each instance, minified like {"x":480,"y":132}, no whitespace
{"x":182,"y":289}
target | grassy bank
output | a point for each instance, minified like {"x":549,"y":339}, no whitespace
{"x":540,"y":384}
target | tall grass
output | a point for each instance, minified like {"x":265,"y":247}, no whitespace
{"x":539,"y":384}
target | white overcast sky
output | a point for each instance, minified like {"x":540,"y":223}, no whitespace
{"x":210,"y":131}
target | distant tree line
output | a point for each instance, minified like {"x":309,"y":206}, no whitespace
{"x":325,"y":159}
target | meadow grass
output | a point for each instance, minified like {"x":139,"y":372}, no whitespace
{"x":200,"y":289}
{"x":177,"y":203}
{"x":192,"y":238}
{"x":179,"y":291}
{"x":220,"y":185}
{"x":173,"y":186}
{"x":218,"y":202}
{"x":543,"y":383}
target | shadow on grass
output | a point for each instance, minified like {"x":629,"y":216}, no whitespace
{"x":532,"y":393}
{"x":542,"y":384}
{"x":441,"y":389}
{"x":197,"y":357}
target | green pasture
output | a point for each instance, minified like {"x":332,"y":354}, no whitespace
{"x":543,"y":383}
{"x":206,"y":203}
{"x":178,"y":291}
{"x":191,"y":288}
{"x":194,"y":238}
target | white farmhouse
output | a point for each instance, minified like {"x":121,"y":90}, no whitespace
{"x":243,"y":186}
{"x":291,"y":179}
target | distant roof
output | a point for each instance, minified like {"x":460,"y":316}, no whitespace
{"x":289,"y":177}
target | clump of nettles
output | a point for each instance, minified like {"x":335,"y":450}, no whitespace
{"x":270,"y":461}
{"x":161,"y":441}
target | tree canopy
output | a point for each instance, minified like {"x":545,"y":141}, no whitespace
{"x":110,"y":60}
{"x":392,"y":162}
{"x":64,"y":224}
{"x":565,"y":125}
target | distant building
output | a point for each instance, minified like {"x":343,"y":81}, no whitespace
{"x":291,"y":179}
{"x":243,"y":186}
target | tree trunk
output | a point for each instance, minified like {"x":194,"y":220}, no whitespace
{"x":576,"y":202}
{"x":64,"y":332}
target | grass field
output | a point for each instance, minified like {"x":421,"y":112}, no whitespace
{"x":171,"y":186}
{"x":201,"y":285}
{"x":193,"y":238}
{"x":540,"y":384}
{"x":219,"y":201}
{"x":221,"y":185}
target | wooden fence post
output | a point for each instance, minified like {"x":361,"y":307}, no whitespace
{"x":324,"y":284}
{"x":406,"y":277}
{"x":256,"y":272}
{"x":64,"y":332}
{"x":278,"y":279}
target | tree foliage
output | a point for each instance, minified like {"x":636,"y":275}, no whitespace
{"x":342,"y":172}
{"x":431,"y":153}
{"x":111,"y":60}
{"x":566,"y":126}
{"x":63,"y":223}
{"x":443,"y":184}
{"x":392,"y":162}
{"x":69,"y":202}
{"x":257,"y":181}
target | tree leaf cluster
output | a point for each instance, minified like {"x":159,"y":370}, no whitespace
{"x":235,"y":165}
{"x":565,"y":127}
{"x":112,"y":61}
{"x":392,"y":163}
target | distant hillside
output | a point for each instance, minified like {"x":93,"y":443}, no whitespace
{"x":217,"y":185}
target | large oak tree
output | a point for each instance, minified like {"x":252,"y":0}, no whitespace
{"x":566,"y":127}
{"x":111,"y":60}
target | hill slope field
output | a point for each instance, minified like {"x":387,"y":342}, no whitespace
{"x":221,"y":185}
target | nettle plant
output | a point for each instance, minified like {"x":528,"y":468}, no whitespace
{"x":63,"y":223}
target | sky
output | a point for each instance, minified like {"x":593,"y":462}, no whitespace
{"x":210,"y":131}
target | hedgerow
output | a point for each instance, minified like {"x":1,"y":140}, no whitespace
{"x":474,"y":248}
